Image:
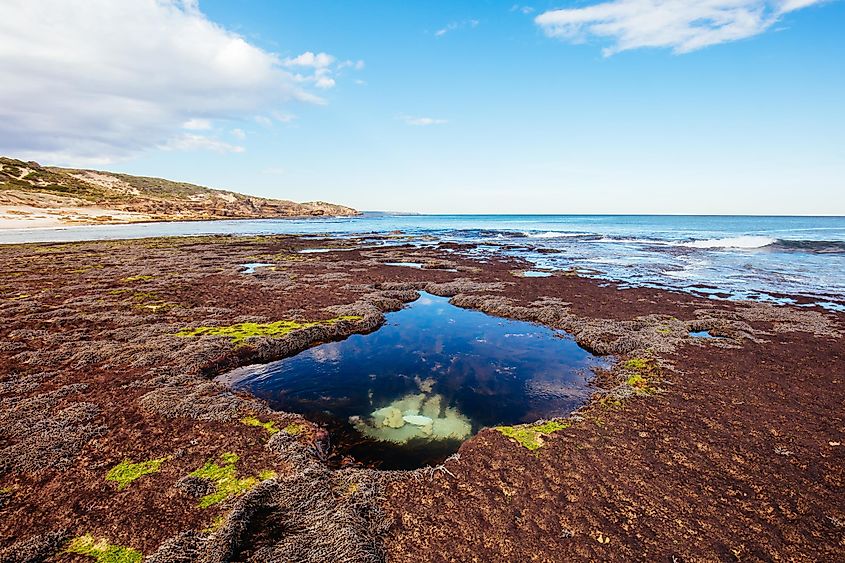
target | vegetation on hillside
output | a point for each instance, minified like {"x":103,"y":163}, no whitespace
{"x":33,"y":185}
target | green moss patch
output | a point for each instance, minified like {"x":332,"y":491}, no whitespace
{"x":102,"y":551}
{"x":225,"y":479}
{"x":530,"y":436}
{"x":125,"y":472}
{"x":131,"y":279}
{"x":641,"y":374}
{"x":294,"y":429}
{"x":238,"y":333}
{"x":269,"y":426}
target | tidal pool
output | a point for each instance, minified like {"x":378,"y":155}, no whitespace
{"x":407,"y":394}
{"x":250,"y":267}
{"x":702,"y":334}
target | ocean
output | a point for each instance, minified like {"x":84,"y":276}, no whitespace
{"x":722,"y":257}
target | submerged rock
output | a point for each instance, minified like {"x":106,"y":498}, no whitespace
{"x":418,"y":420}
{"x":388,"y":416}
{"x":424,"y":385}
{"x":409,"y":404}
{"x":431,"y":406}
{"x":401,"y":421}
{"x":453,"y":425}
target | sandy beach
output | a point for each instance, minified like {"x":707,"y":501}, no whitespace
{"x":29,"y":217}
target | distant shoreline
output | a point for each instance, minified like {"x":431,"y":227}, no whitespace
{"x":22,"y":218}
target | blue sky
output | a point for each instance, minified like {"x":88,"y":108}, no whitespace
{"x":477,"y":107}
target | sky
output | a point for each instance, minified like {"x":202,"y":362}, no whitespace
{"x":590,"y":106}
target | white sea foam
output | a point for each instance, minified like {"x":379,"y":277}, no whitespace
{"x":746,"y":241}
{"x":553,"y":234}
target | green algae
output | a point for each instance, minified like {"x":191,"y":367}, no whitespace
{"x":151,"y":301}
{"x":119,"y":291}
{"x":269,"y":426}
{"x":638,"y":364}
{"x":530,"y":436}
{"x":125,"y":472}
{"x":641,"y":374}
{"x":216,"y":524}
{"x":102,"y":551}
{"x":238,"y":333}
{"x":131,"y":279}
{"x":225,"y":479}
{"x":294,"y":429}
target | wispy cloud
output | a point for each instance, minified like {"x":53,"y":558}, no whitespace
{"x":680,"y":25}
{"x":98,"y":80}
{"x":522,"y":9}
{"x":196,"y":124}
{"x":190,"y":142}
{"x":456,"y":25}
{"x":423,"y":121}
{"x":324,"y":68}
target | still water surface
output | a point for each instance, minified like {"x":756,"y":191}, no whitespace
{"x":448,"y":371}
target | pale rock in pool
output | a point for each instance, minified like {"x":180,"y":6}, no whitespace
{"x":431,"y":407}
{"x":388,"y":416}
{"x":409,"y":404}
{"x":418,"y":420}
{"x":401,"y":421}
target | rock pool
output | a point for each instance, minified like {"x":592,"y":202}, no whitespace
{"x":409,"y":393}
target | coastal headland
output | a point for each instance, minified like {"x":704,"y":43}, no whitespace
{"x":116,"y":442}
{"x":35,"y":196}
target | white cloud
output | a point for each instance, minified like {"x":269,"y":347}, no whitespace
{"x":309,"y":59}
{"x":453,"y":26}
{"x":94,"y":80}
{"x":357,"y":65}
{"x":423,"y":121}
{"x":680,"y":25}
{"x":197,"y":124}
{"x":322,"y":66}
{"x":522,"y":9}
{"x":283,"y":117}
{"x":190,"y":142}
{"x":263,"y":120}
{"x":239,"y":134}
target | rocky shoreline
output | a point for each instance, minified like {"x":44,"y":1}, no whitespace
{"x":113,"y":436}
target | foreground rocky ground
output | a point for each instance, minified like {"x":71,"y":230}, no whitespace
{"x":115,"y":445}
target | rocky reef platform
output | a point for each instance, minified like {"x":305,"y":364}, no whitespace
{"x":116,"y":441}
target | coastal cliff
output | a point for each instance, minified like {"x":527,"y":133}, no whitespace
{"x":35,"y":195}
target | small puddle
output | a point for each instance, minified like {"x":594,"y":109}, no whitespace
{"x":324,"y":250}
{"x":535,"y":274}
{"x":250,"y":267}
{"x":702,"y":334}
{"x":407,"y":394}
{"x":416,"y":265}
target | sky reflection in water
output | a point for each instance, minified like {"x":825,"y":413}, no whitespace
{"x":491,"y":370}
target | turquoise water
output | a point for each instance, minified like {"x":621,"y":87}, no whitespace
{"x":449,"y":371}
{"x":735,"y":257}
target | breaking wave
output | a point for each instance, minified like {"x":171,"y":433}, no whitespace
{"x":555,"y":234}
{"x":752,"y":242}
{"x":746,"y":241}
{"x":814,"y":246}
